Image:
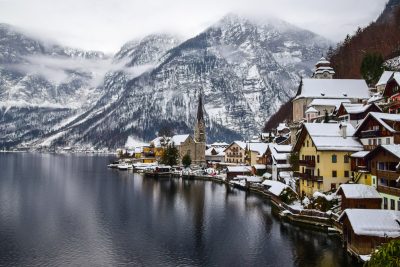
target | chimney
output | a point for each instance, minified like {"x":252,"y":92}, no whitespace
{"x":343,"y":130}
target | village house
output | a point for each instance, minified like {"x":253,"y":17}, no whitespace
{"x":384,"y":166}
{"x":254,"y":152}
{"x":381,"y":84}
{"x":392,"y":93}
{"x":324,"y":151}
{"x":276,"y":158}
{"x":233,"y":171}
{"x":235,"y":152}
{"x":359,"y":196}
{"x":364,"y":230}
{"x":354,"y":113}
{"x":215,"y":154}
{"x":360,"y":172}
{"x":378,"y":129}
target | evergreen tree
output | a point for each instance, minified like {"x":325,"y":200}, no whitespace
{"x":372,"y":67}
{"x":186,"y":160}
{"x":170,"y":156}
{"x":387,"y":255}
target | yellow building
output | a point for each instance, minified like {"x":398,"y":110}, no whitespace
{"x":324,"y":151}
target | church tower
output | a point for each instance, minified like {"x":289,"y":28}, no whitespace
{"x":200,"y":136}
{"x":200,"y":127}
{"x":323,"y":70}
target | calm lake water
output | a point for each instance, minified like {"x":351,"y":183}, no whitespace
{"x":58,"y":210}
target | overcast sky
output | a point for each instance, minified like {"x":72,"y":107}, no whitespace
{"x":107,"y":24}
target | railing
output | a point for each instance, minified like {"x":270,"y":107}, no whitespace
{"x":307,"y":163}
{"x":359,"y":169}
{"x":308,"y":176}
{"x":389,"y":190}
{"x":388,"y":175}
{"x":369,"y":133}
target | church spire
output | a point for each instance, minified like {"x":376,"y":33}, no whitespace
{"x":200,"y":115}
{"x":200,"y":127}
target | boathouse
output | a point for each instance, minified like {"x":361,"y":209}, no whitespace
{"x":359,"y":196}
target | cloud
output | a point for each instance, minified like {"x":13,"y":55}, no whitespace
{"x":106,"y":24}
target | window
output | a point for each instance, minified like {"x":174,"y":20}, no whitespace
{"x":398,"y":204}
{"x":346,"y":159}
{"x":319,"y":186}
{"x":334,"y":174}
{"x":318,"y":172}
{"x":334,"y":158}
{"x":381,"y":165}
{"x":374,"y":142}
{"x":317,"y":158}
{"x":385,"y":203}
{"x":392,"y":204}
{"x":307,"y":143}
{"x":370,"y":142}
{"x":346,"y":174}
{"x":388,"y":141}
{"x":379,"y":141}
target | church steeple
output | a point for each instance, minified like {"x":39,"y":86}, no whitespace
{"x":200,"y":127}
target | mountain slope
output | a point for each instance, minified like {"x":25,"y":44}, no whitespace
{"x":244,"y":69}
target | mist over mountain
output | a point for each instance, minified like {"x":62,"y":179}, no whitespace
{"x":61,"y":96}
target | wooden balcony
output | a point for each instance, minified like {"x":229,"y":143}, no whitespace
{"x":388,"y":175}
{"x":370,"y":133}
{"x":389,"y":190}
{"x":359,"y":169}
{"x":307,"y":176}
{"x":307,"y":163}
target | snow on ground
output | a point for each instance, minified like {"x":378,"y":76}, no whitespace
{"x":327,"y":197}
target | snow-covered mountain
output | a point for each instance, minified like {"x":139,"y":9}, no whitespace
{"x":245,"y":70}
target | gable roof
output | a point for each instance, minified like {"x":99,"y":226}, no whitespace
{"x":355,"y":108}
{"x":359,"y":191}
{"x":386,"y":75}
{"x":179,"y":139}
{"x":328,"y":102}
{"x":381,"y":118}
{"x":333,"y":88}
{"x":260,"y":148}
{"x":241,"y":144}
{"x":373,"y":222}
{"x":328,"y":137}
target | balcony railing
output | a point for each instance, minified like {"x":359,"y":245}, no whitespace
{"x":310,"y":177}
{"x":389,"y":175}
{"x":389,"y":190}
{"x":307,"y":163}
{"x":369,"y":133}
{"x":359,"y":169}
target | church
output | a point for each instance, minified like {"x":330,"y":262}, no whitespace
{"x":195,"y":146}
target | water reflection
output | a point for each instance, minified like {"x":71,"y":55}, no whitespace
{"x":70,"y":210}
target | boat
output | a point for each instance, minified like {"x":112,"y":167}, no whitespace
{"x":158,"y":172}
{"x":125,"y":167}
{"x":114,"y":165}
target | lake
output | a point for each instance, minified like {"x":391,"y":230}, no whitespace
{"x":69,"y":210}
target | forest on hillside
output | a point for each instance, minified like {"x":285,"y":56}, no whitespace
{"x":381,"y":37}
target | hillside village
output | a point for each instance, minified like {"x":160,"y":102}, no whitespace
{"x":336,"y":162}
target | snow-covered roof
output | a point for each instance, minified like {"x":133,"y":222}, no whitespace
{"x":374,"y":222}
{"x":260,"y":166}
{"x":322,"y":60}
{"x":241,"y":144}
{"x":275,"y":187}
{"x":381,"y":117}
{"x":359,"y":154}
{"x":239,"y":169}
{"x":260,"y":148}
{"x":281,"y":127}
{"x":394,"y":149}
{"x":328,"y":102}
{"x":251,"y":179}
{"x":218,"y":150}
{"x":359,"y":191}
{"x":157,"y":141}
{"x":334,"y":88}
{"x":386,"y":75}
{"x":178,"y":139}
{"x":375,"y":97}
{"x":311,"y":110}
{"x":355,"y":108}
{"x":328,"y":136}
{"x":282,"y":148}
{"x":286,"y":174}
{"x":396,"y":77}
